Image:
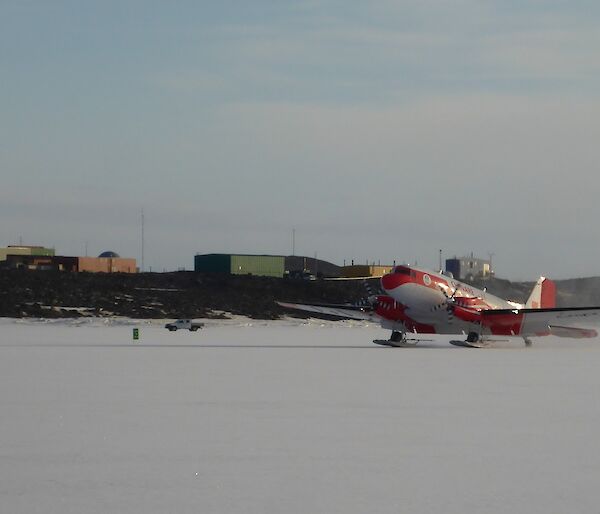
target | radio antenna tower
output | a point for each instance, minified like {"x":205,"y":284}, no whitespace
{"x":142,"y":268}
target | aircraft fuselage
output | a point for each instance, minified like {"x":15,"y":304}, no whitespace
{"x":438,"y":301}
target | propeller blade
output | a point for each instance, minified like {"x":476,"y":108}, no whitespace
{"x":449,"y":303}
{"x":450,"y":311}
{"x":370,"y":301}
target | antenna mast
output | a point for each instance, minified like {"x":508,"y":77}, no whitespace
{"x":142,"y":240}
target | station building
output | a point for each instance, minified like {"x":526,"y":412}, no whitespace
{"x":365,"y":270}
{"x":25,"y":250}
{"x":297,"y":266}
{"x":41,"y":262}
{"x":468,"y":268}
{"x":107,"y":262}
{"x":240,"y":264}
{"x":292,"y":266}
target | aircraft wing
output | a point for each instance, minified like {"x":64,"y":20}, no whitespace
{"x":575,"y":322}
{"x":345,"y":311}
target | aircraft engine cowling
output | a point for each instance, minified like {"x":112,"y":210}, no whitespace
{"x":466,"y":314}
{"x":388,"y":308}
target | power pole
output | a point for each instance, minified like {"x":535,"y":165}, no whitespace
{"x":142,"y":268}
{"x":293,"y":241}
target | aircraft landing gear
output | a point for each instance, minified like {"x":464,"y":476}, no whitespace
{"x":473,"y":337}
{"x":474,"y":340}
{"x":528,"y":342}
{"x":398,"y":337}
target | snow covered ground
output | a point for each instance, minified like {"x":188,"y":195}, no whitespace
{"x":291,"y":417}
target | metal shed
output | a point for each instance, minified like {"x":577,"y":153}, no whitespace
{"x":240,"y":264}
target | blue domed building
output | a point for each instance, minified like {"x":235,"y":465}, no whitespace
{"x":109,"y":255}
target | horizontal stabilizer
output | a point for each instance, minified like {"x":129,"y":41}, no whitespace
{"x":559,"y":321}
{"x":577,"y":333}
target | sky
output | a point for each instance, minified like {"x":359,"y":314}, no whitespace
{"x":380,"y":131}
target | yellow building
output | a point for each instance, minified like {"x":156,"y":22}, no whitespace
{"x":365,"y":270}
{"x":25,"y":250}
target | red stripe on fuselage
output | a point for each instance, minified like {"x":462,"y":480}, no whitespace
{"x":503,"y":324}
{"x":465,"y":314}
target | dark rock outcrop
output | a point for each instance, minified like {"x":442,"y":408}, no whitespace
{"x":194,"y":295}
{"x":159,"y":295}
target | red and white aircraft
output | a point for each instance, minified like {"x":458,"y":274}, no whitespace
{"x":423,"y":302}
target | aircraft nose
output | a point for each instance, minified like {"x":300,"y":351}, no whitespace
{"x":391,"y":281}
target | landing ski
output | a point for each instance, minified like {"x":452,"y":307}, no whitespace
{"x":406,"y":343}
{"x":474,"y":344}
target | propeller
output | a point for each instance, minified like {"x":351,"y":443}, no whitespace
{"x":370,"y":301}
{"x":449,"y":303}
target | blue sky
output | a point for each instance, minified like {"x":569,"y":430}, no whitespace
{"x":380,"y":132}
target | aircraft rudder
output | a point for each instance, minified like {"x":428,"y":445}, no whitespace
{"x":548,"y":294}
{"x":543,"y":295}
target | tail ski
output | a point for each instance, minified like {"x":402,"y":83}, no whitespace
{"x":543,"y":295}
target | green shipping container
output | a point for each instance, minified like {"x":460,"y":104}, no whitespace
{"x":261,"y":265}
{"x":213,"y":263}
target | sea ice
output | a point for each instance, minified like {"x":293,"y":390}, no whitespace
{"x":249,"y":416}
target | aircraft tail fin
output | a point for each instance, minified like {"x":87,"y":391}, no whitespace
{"x":543,"y":295}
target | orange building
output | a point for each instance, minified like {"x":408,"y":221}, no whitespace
{"x":107,"y":262}
{"x":107,"y":265}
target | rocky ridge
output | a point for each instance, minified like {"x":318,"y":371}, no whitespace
{"x":51,"y":294}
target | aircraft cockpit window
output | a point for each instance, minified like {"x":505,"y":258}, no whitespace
{"x":402,"y":271}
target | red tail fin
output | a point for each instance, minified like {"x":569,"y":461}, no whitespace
{"x":548,"y":294}
{"x":543,"y":295}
